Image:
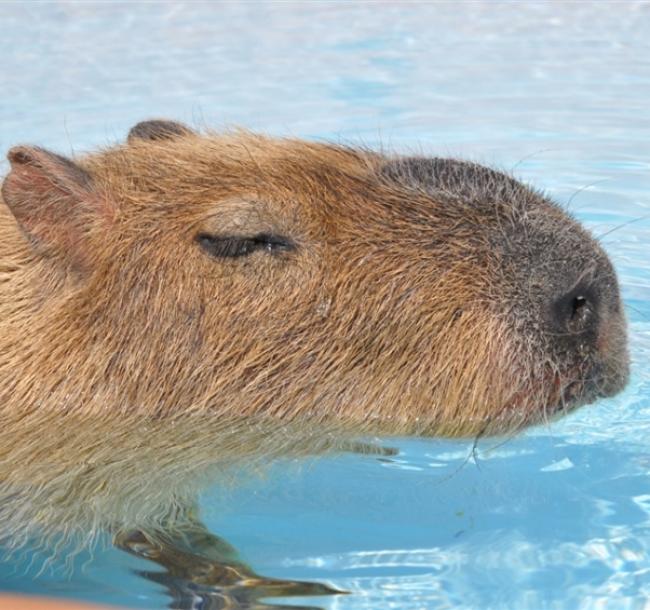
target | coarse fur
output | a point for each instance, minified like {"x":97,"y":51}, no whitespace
{"x":409,"y":296}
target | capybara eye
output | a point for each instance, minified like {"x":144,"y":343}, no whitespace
{"x":230,"y":246}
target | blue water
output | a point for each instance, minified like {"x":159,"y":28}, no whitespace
{"x":559,"y":92}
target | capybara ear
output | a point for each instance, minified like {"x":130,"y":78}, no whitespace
{"x":50,"y":197}
{"x":158,"y":129}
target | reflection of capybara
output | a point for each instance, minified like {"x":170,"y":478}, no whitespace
{"x":187,"y":300}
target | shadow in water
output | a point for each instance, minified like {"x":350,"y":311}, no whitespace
{"x":203,"y":571}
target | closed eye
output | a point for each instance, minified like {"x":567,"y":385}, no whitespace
{"x":232,"y":246}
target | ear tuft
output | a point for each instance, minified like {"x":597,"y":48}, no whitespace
{"x":158,"y":129}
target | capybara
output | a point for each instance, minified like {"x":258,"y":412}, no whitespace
{"x":186,"y":301}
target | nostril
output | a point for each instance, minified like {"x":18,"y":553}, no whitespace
{"x":580,"y":310}
{"x":575,"y":312}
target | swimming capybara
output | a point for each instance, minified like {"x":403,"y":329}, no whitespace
{"x":185,"y":302}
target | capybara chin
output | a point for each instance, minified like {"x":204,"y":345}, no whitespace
{"x":187,"y":300}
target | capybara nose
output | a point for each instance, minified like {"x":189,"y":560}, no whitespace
{"x":576,"y":312}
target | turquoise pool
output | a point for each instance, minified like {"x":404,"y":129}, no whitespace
{"x":556,"y":518}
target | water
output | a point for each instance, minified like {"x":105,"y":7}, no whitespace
{"x":556,"y":518}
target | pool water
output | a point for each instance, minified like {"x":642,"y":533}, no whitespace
{"x":558,"y":517}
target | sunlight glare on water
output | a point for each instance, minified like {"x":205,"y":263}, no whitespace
{"x":558,"y":517}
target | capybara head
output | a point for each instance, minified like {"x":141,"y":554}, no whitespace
{"x":184,"y":302}
{"x":276,"y":280}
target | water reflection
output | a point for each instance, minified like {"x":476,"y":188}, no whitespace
{"x":203,"y":571}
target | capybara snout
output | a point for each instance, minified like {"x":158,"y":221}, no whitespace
{"x":238,"y":275}
{"x":546,"y":283}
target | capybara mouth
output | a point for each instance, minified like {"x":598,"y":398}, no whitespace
{"x":584,"y":388}
{"x":570,"y":397}
{"x":552,"y":395}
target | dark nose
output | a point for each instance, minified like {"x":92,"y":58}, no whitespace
{"x":576,"y":312}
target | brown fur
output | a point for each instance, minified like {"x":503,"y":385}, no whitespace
{"x":133,"y":365}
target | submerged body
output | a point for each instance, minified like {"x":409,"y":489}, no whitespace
{"x":185,"y":301}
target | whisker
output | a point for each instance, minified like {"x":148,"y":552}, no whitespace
{"x":509,"y":436}
{"x":582,"y":189}
{"x":472,"y":454}
{"x":628,"y":306}
{"x":624,"y":224}
{"x":530,"y":156}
